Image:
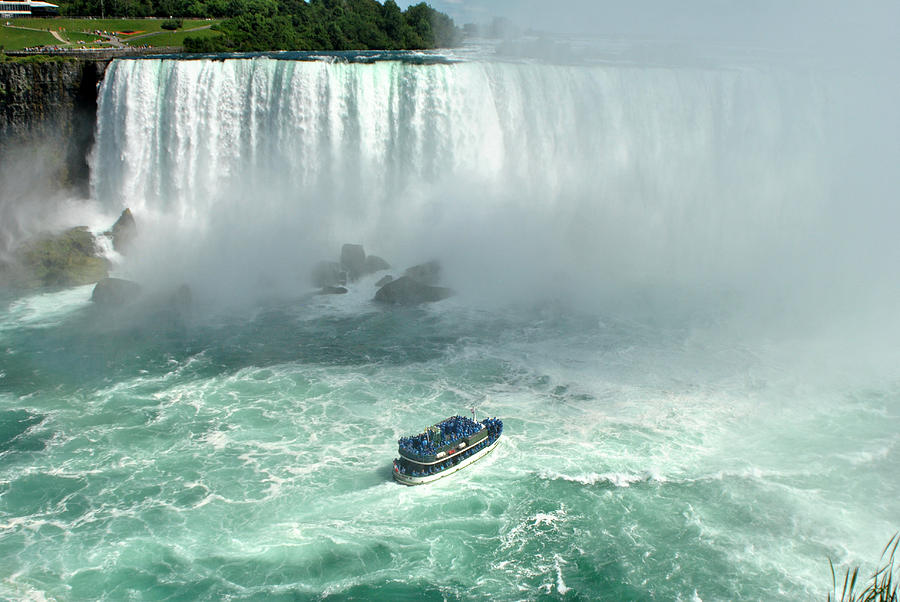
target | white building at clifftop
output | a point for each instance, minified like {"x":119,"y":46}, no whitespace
{"x":27,"y":8}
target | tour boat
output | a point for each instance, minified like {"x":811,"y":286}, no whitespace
{"x":442,"y":449}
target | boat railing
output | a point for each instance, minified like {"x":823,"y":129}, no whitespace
{"x":442,"y":437}
{"x":424,"y":470}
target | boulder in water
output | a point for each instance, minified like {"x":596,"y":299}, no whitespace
{"x":374,"y":263}
{"x":384,"y":281}
{"x":123,"y":232}
{"x":353,"y":259}
{"x":182,"y":298}
{"x":425,"y":273}
{"x":66,"y":259}
{"x":328,"y":273}
{"x":407,"y":291}
{"x":332,"y":290}
{"x":114,"y":292}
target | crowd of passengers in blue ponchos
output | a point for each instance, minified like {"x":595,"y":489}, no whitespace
{"x":452,"y":430}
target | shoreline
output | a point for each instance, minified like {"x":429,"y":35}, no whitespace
{"x":95,"y":53}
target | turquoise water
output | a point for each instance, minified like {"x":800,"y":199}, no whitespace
{"x":664,"y":293}
{"x":247,"y":455}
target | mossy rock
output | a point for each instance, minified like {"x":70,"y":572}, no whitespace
{"x":66,"y":259}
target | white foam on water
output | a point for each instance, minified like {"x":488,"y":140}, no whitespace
{"x":560,"y":584}
{"x":19,"y":589}
{"x":218,"y":440}
{"x":45,"y":310}
{"x":614,"y":479}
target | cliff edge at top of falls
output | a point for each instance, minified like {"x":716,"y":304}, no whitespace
{"x":47,"y":113}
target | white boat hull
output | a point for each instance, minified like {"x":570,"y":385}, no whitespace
{"x":410,"y":480}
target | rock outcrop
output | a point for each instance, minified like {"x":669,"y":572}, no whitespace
{"x":50,"y":105}
{"x":115,"y":292}
{"x":182,"y":298}
{"x":408,"y":291}
{"x":425,"y":273}
{"x":353,"y":259}
{"x":328,"y":273}
{"x":353,"y":265}
{"x":374,"y":263}
{"x":123,"y":232}
{"x":66,"y":259}
{"x":332,"y":290}
{"x":384,"y":281}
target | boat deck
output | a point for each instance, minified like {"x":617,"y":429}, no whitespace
{"x":445,"y":448}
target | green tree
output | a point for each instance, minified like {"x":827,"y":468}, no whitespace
{"x":316,"y":24}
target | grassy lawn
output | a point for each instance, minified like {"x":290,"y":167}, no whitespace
{"x":17,"y":39}
{"x":78,"y":37}
{"x":89,"y":25}
{"x":173,"y":38}
{"x":80,"y":31}
{"x":156,"y":28}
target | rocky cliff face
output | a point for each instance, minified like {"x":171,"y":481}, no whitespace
{"x":50,"y":107}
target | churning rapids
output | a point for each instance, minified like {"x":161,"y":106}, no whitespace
{"x":653,"y":274}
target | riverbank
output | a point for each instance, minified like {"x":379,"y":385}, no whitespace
{"x":99,"y":54}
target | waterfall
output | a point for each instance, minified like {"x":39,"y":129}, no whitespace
{"x":603,"y":173}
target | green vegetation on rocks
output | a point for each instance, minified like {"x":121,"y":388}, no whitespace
{"x":32,"y":58}
{"x":66,"y":259}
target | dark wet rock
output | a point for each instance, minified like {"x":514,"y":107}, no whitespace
{"x":67,"y":259}
{"x":168,"y":311}
{"x":123,"y":232}
{"x":332,"y":290}
{"x":353,"y":259}
{"x":425,"y":273}
{"x":113,"y":292}
{"x":374,"y":263}
{"x":407,"y":291}
{"x":182,"y":298}
{"x":384,"y":281}
{"x":328,"y":273}
{"x":54,"y":104}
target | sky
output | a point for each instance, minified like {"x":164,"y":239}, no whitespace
{"x":813,"y":23}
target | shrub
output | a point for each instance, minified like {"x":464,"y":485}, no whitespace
{"x":172,"y":24}
{"x":881,"y":588}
